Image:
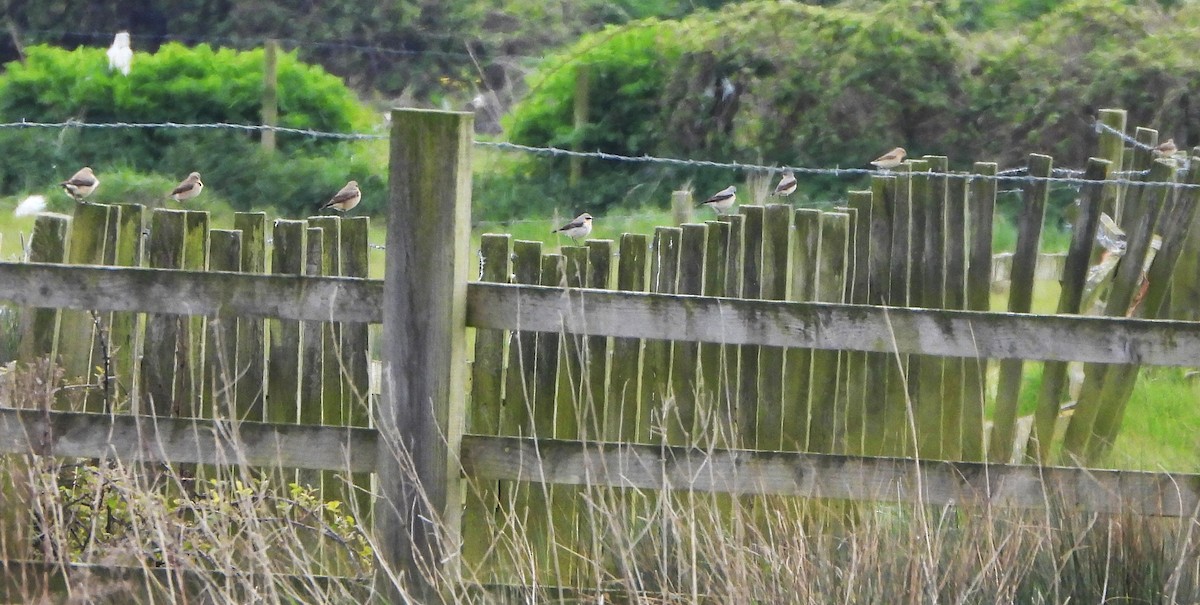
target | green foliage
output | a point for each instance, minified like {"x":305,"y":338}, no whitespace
{"x":186,"y":85}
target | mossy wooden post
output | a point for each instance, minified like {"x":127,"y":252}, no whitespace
{"x":552,"y":272}
{"x":570,"y":394}
{"x":595,"y":357}
{"x":189,"y":362}
{"x":1020,"y":300}
{"x":682,"y":207}
{"x":547,"y":531}
{"x":953,"y":369}
{"x":164,"y":250}
{"x":47,"y":244}
{"x":1112,"y":148}
{"x":251,"y":344}
{"x":656,"y":355}
{"x":483,"y":418}
{"x":311,"y":402}
{"x":221,"y":353}
{"x":1185,"y":284}
{"x":283,"y":367}
{"x":776,"y":257}
{"x":855,"y":377}
{"x":333,"y":398}
{"x":517,"y":416}
{"x":981,"y":210}
{"x":355,"y":350}
{"x":424,"y":316}
{"x":713,"y":412}
{"x":123,"y":331}
{"x":797,"y":373}
{"x":827,"y":427}
{"x":732,"y":354}
{"x":1075,"y":269}
{"x":747,"y":392}
{"x":621,"y":413}
{"x":1120,"y":381}
{"x":899,"y":258}
{"x":1100,"y":398}
{"x":77,"y":333}
{"x":685,"y":356}
{"x":884,"y":419}
{"x":1141,"y":160}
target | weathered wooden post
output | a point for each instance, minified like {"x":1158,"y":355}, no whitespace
{"x":420,"y":416}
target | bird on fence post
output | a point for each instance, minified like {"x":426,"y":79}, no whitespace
{"x":787,"y":184}
{"x":890,"y":159}
{"x":187,"y":188}
{"x":722,"y":200}
{"x":1166,"y":149}
{"x":345,"y":199}
{"x":81,"y":184}
{"x":577,"y":229}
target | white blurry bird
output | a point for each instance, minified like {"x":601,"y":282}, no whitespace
{"x":30,"y":206}
{"x":120,"y":55}
{"x":187,"y":188}
{"x":346,"y":198}
{"x":577,"y":229}
{"x":787,"y":184}
{"x":722,"y":200}
{"x":890,"y":159}
{"x":81,"y":184}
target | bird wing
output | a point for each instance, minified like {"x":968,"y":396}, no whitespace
{"x":183,"y":187}
{"x":571,"y":225}
{"x":342,"y":196}
{"x":80,"y":179}
{"x":785,"y":184}
{"x":719,"y":197}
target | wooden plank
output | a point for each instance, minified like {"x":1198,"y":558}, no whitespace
{"x":1075,"y":269}
{"x":93,"y":238}
{"x":953,"y":372}
{"x":797,"y":373}
{"x":420,"y":413}
{"x":748,"y":397}
{"x":883,"y":419}
{"x":311,"y":401}
{"x":545,"y":391}
{"x":930,"y":483}
{"x":852,"y":373}
{"x":571,"y":396}
{"x":189,"y":358}
{"x":656,"y":354}
{"x":124,"y":332}
{"x":827,"y":428}
{"x":283,"y":355}
{"x":596,"y":358}
{"x":47,"y":244}
{"x":176,"y":293}
{"x":685,"y":355}
{"x":1111,"y":147}
{"x":1142,"y":159}
{"x":776,"y":259}
{"x":221,"y":353}
{"x":487,"y":370}
{"x":1020,"y":300}
{"x":355,"y":352}
{"x":714,"y":412}
{"x":981,"y":200}
{"x":335,"y":408}
{"x":164,"y":250}
{"x":621,"y":412}
{"x":519,"y":378}
{"x":135,"y":438}
{"x":252,"y":345}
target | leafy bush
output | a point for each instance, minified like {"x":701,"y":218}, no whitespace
{"x":186,"y":85}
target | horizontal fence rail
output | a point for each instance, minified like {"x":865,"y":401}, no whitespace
{"x":829,"y":476}
{"x":186,"y":440}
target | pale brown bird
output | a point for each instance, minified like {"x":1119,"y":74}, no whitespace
{"x":1167,"y":148}
{"x":722,"y":200}
{"x":787,"y":184}
{"x":890,"y":159}
{"x":82,"y":184}
{"x":577,"y":229}
{"x":345,"y":199}
{"x":187,"y":188}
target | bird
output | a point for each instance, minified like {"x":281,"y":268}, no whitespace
{"x":787,"y":184}
{"x":1166,"y":149}
{"x":890,"y":159}
{"x":81,"y":184}
{"x":722,"y":200}
{"x":577,"y":229}
{"x":120,"y":56}
{"x":30,"y":205}
{"x":187,"y":188}
{"x":345,"y":199}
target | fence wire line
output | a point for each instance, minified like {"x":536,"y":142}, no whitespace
{"x":1013,"y":175}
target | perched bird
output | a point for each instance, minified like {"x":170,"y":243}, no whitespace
{"x":722,"y":201}
{"x":120,"y":56}
{"x":577,"y":229}
{"x":1166,"y":149}
{"x":82,"y":184}
{"x":30,"y":205}
{"x":345,"y":199}
{"x":787,"y":184}
{"x":187,"y":188}
{"x":890,"y":159}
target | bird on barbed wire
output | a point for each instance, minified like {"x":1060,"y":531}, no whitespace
{"x":722,"y":200}
{"x":81,"y":184}
{"x":187,"y":188}
{"x":890,"y":159}
{"x":346,"y":198}
{"x":577,"y":229}
{"x":787,"y":184}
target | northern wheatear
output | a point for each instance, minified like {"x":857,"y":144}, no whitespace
{"x":787,"y":184}
{"x":82,"y":184}
{"x":722,"y":200}
{"x":1166,"y":149}
{"x":120,"y":56}
{"x":890,"y":159}
{"x":345,"y":199}
{"x":187,"y":188}
{"x":577,"y":229}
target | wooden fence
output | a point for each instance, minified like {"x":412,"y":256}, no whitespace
{"x":777,"y":351}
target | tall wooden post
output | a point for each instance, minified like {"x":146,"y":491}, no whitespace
{"x":420,"y":416}
{"x":270,"y":103}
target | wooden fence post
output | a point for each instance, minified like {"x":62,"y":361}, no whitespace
{"x":420,"y":416}
{"x":48,"y":244}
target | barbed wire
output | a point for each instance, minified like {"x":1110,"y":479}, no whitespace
{"x":1014,"y":175}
